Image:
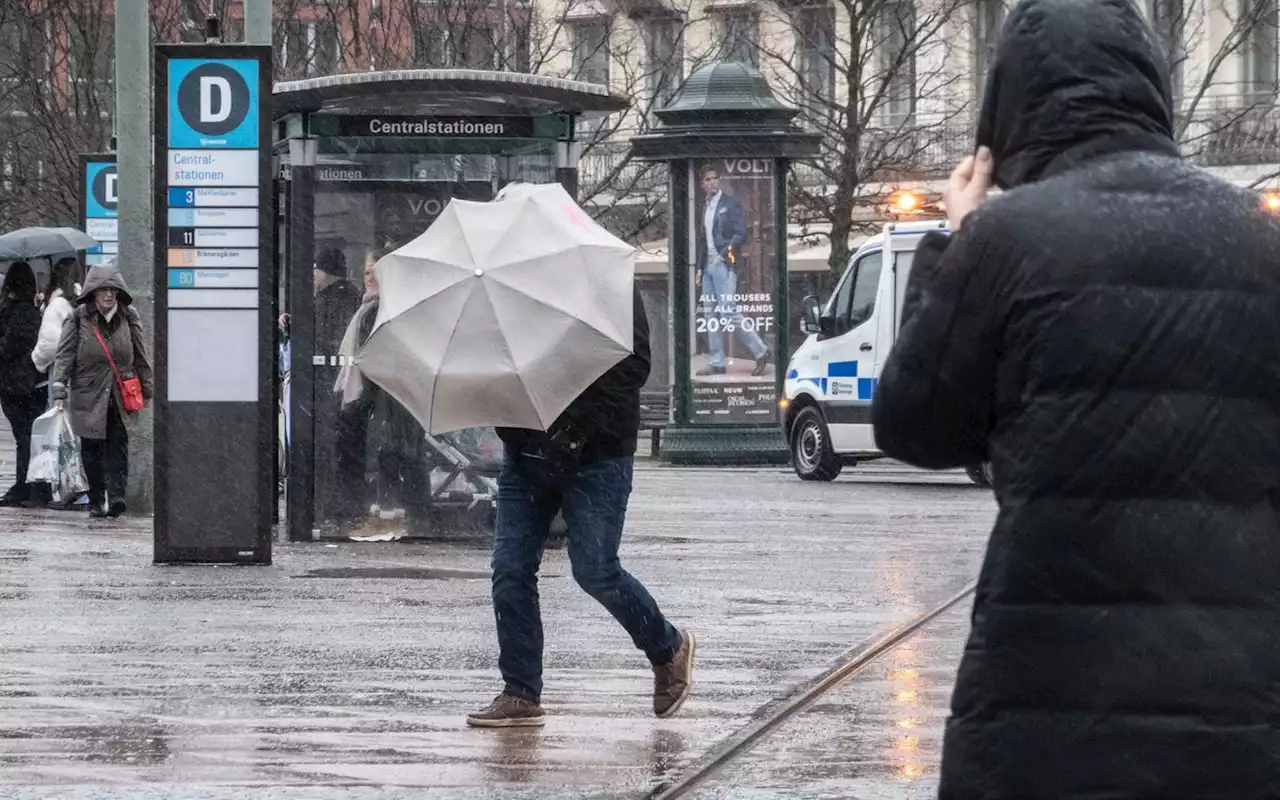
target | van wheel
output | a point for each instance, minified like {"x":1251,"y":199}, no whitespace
{"x":812,"y":456}
{"x":980,"y":474}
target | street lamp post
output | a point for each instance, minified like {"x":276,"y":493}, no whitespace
{"x":728,"y":144}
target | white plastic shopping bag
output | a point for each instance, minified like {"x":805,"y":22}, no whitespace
{"x":44,"y":447}
{"x":55,"y":455}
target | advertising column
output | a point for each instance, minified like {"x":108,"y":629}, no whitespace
{"x":735,"y":277}
{"x":99,"y":196}
{"x":214,"y":305}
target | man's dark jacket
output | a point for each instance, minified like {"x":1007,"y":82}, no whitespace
{"x":604,"y":421}
{"x":728,"y":229}
{"x":1107,"y":333}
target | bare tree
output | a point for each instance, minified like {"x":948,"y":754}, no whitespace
{"x":57,"y":65}
{"x":1225,"y":79}
{"x":887,"y":85}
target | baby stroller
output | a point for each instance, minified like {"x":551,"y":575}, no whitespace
{"x":465,"y":466}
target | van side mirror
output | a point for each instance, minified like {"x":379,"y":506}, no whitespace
{"x":811,"y":323}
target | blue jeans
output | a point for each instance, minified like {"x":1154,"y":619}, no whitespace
{"x":593,"y":500}
{"x":721,"y":283}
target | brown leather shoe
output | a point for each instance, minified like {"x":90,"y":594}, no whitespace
{"x":672,"y":682}
{"x":508,"y":711}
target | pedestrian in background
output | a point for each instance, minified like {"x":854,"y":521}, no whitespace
{"x":62,"y":290}
{"x":338,"y":502}
{"x":59,"y":294}
{"x":22,"y":386}
{"x":375,"y":423}
{"x":583,"y":467}
{"x":1105,"y":333}
{"x":102,"y":345}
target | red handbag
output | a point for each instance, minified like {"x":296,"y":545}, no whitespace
{"x":130,"y":390}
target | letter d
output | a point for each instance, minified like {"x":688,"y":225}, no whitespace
{"x":207,"y":113}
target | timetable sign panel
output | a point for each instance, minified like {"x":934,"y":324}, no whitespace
{"x":219,"y":197}
{"x":212,"y":257}
{"x":199,"y":168}
{"x":102,"y":229}
{"x":213,"y":217}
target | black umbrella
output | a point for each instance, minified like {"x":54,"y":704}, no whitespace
{"x":29,"y":243}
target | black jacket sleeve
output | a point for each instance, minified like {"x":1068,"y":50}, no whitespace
{"x":610,"y":408}
{"x":633,"y":372}
{"x":934,"y":403}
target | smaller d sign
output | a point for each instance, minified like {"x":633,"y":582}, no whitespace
{"x":213,"y":103}
{"x":103,"y":195}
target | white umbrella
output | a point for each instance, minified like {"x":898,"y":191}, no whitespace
{"x":502,"y":313}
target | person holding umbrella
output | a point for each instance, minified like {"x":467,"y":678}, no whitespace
{"x":1104,"y":333}
{"x":102,"y":347}
{"x":22,"y":386}
{"x":523,"y":314}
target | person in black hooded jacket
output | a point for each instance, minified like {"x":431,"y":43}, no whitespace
{"x":22,"y":392}
{"x":1105,"y":333}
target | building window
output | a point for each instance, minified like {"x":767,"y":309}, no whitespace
{"x":816,"y":34}
{"x":664,"y":52}
{"x":591,"y":51}
{"x":324,"y":47}
{"x":522,"y":58}
{"x":307,"y":47}
{"x":429,"y":47}
{"x":897,"y":59}
{"x":739,"y":35}
{"x":988,"y":19}
{"x":1260,"y":56}
{"x":475,"y":46}
{"x":1168,"y":18}
{"x":91,"y":63}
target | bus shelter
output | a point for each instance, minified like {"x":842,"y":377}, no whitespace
{"x":366,"y":162}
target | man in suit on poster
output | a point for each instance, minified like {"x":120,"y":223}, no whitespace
{"x":722,"y":233}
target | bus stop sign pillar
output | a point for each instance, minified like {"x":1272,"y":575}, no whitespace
{"x":215,"y":311}
{"x":728,"y":144}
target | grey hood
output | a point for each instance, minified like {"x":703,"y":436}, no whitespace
{"x":105,"y":276}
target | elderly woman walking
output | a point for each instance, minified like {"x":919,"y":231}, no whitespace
{"x":101,"y":351}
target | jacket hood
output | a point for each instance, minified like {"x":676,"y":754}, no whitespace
{"x":1074,"y":80}
{"x":105,"y":276}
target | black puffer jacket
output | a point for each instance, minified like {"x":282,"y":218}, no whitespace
{"x":604,"y":421}
{"x":19,"y":330}
{"x":1108,"y":334}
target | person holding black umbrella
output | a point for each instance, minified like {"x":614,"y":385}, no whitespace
{"x":22,"y":394}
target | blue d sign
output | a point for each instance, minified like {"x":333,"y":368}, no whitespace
{"x":213,"y":103}
{"x":102,"y":192}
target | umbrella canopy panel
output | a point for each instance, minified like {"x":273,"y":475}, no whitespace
{"x":501,"y":313}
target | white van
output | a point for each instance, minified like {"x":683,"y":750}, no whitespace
{"x":826,"y":415}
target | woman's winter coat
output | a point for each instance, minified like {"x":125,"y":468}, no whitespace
{"x":1105,"y":333}
{"x":56,"y":311}
{"x":19,"y":328}
{"x":82,"y":366}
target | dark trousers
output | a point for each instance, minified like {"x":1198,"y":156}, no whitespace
{"x":593,"y":500}
{"x":403,"y":482}
{"x":106,"y":461}
{"x":21,"y":411}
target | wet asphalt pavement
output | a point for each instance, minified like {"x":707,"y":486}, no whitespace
{"x":345,"y":670}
